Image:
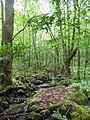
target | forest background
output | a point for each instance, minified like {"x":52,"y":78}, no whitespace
{"x":48,"y":36}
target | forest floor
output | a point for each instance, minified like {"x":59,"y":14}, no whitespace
{"x":43,"y":98}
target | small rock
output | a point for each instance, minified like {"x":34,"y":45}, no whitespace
{"x":15,"y":109}
{"x":45,"y":85}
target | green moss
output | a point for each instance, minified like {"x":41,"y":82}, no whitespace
{"x":89,"y":95}
{"x":80,"y":116}
{"x":4,"y":104}
{"x":26,"y":84}
{"x":77,"y":111}
{"x":87,"y":108}
{"x":0,"y":87}
{"x":2,"y":98}
{"x":23,"y":87}
{"x":34,"y":116}
{"x":20,"y":91}
{"x":70,"y":105}
{"x":19,"y":84}
{"x":31,"y":103}
{"x":37,"y":82}
{"x":33,"y":108}
{"x":78,"y":97}
{"x":62,"y":110}
{"x":6,"y":90}
{"x":45,"y":112}
{"x":53,"y":83}
{"x":16,"y":108}
{"x":65,"y":82}
{"x":53,"y":106}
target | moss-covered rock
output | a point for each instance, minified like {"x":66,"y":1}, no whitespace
{"x":38,"y":115}
{"x":3,"y":104}
{"x":6,"y":90}
{"x":19,"y":85}
{"x":45,"y":112}
{"x":76,"y":111}
{"x":78,"y":97}
{"x":87,"y":108}
{"x":53,"y":106}
{"x":69,"y":101}
{"x":14,"y":109}
{"x":38,"y":82}
{"x":31,"y":105}
{"x":34,"y":116}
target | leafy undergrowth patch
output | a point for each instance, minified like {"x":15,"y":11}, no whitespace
{"x":67,"y":100}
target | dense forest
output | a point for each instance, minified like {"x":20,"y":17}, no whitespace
{"x":45,"y":60}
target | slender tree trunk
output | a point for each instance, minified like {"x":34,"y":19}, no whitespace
{"x":1,"y":55}
{"x":35,"y":50}
{"x":86,"y":53}
{"x":68,"y":37}
{"x":73,"y":32}
{"x":78,"y":49}
{"x":64,"y":68}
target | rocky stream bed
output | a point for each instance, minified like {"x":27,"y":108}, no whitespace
{"x":40,"y":99}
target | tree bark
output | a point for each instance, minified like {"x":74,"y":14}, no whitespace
{"x":78,"y":42}
{"x":7,"y":35}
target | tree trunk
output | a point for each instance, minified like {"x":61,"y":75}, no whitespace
{"x":2,"y":15}
{"x":78,"y":49}
{"x":7,"y":34}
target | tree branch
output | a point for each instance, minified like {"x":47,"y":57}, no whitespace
{"x":22,"y":28}
{"x":25,"y":26}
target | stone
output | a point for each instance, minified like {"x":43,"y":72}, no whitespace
{"x":68,"y":101}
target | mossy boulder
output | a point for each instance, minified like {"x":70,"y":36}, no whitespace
{"x":6,"y":90}
{"x":34,"y":116}
{"x":3,"y":104}
{"x":75,"y":111}
{"x":15,"y":109}
{"x":31,"y":105}
{"x":38,"y":82}
{"x":69,"y":101}
{"x":78,"y":97}
{"x":20,"y":85}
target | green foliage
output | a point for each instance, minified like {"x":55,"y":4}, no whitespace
{"x":84,"y":86}
{"x":47,"y":48}
{"x":41,"y":22}
{"x":57,"y":115}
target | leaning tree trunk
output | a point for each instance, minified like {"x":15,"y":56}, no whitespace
{"x":7,"y":34}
